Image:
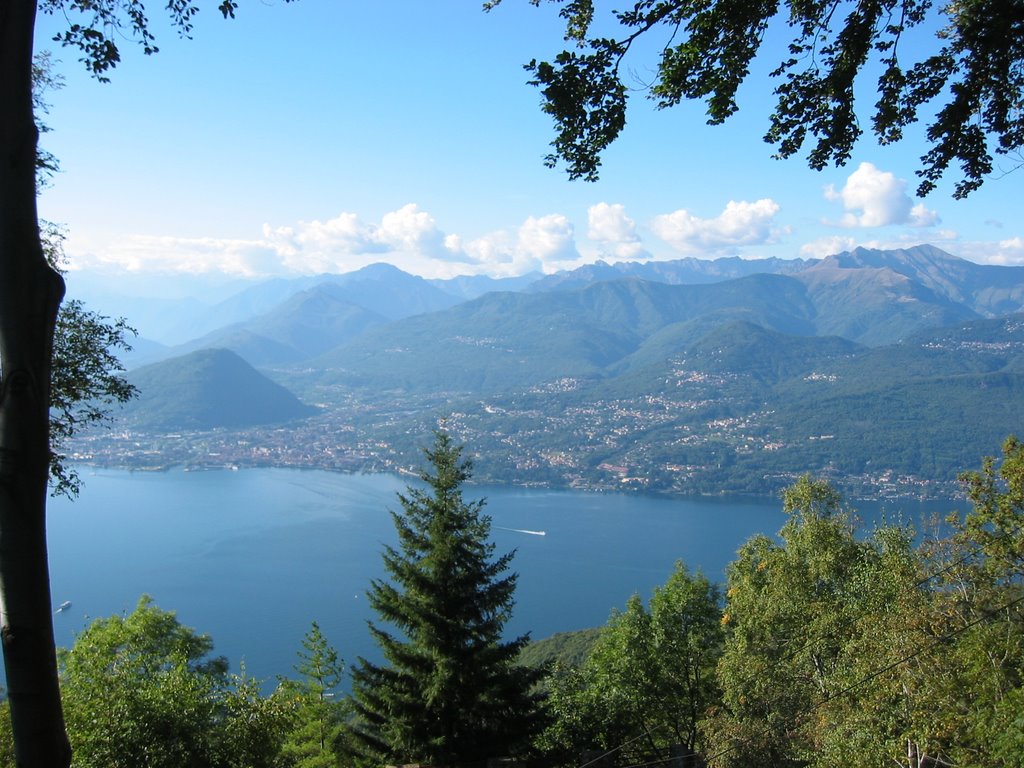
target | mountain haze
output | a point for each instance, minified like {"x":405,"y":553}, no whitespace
{"x":505,"y":340}
{"x":986,"y":289}
{"x":884,"y":370}
{"x":688,"y":271}
{"x":305,"y":325}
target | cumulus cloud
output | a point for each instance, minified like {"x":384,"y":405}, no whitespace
{"x":615,"y":232}
{"x":540,"y":244}
{"x":1008,"y":252}
{"x":547,"y":238}
{"x":826,"y":246}
{"x":410,"y":229}
{"x":175,"y":255}
{"x":335,"y":244}
{"x":610,"y":224}
{"x":740,"y":224}
{"x":876,"y":198}
{"x":921,"y":216}
{"x":407,"y":237}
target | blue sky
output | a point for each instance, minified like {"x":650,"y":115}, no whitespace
{"x":324,"y":135}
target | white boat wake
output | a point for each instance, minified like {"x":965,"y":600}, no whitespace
{"x":522,"y":530}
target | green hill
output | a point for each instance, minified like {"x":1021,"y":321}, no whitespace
{"x":565,"y":648}
{"x":207,"y":389}
{"x":747,"y":409}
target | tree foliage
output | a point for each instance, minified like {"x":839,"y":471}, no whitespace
{"x":96,"y":28}
{"x":144,"y":690}
{"x":846,"y":647}
{"x":85,"y":380}
{"x":316,"y":735}
{"x":86,"y":372}
{"x":450,"y":691}
{"x":969,"y":85}
{"x":649,"y":678}
{"x":842,"y":646}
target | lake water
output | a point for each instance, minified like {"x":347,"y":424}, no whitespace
{"x":252,"y":557}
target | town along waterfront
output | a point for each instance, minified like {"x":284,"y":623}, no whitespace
{"x":251,"y":557}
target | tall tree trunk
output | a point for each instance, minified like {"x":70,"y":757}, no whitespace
{"x":30,"y":294}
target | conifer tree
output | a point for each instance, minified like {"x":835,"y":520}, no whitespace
{"x":450,"y":692}
{"x":315,"y":738}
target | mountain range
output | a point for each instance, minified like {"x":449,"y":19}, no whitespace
{"x":867,"y":363}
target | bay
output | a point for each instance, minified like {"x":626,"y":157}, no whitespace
{"x":251,"y":557}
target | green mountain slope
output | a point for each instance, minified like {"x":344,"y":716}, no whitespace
{"x":207,"y":389}
{"x":746,"y":409}
{"x":513,"y":340}
{"x":508,"y":340}
{"x":306,"y":324}
{"x":866,"y":367}
{"x":875,"y":305}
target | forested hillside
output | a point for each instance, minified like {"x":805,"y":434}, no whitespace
{"x":882,"y":370}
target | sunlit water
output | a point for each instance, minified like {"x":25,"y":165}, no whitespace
{"x":252,"y":557}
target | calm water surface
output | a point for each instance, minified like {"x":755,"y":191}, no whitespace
{"x":252,"y":557}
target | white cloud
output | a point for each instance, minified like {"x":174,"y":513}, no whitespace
{"x":740,"y":224}
{"x":407,"y":237}
{"x":826,"y":246}
{"x":412,"y":230}
{"x":921,"y":216}
{"x":541,"y":243}
{"x":344,"y":233}
{"x":609,"y":223}
{"x":1008,"y":252}
{"x":548,"y":237}
{"x":496,"y":248}
{"x":175,"y":255}
{"x":876,"y":198}
{"x":616,"y":232}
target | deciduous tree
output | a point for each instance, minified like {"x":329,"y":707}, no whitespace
{"x":790,"y":609}
{"x":969,"y":81}
{"x":30,"y":296}
{"x":143,"y":690}
{"x":650,"y":677}
{"x":85,"y":380}
{"x":854,"y":648}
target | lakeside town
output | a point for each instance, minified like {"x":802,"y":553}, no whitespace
{"x":599,"y":446}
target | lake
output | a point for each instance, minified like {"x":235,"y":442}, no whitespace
{"x":251,"y":557}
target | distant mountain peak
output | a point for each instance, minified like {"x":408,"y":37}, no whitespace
{"x":919,"y":256}
{"x":379,"y":269}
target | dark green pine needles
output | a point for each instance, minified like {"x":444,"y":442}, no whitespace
{"x":450,"y":692}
